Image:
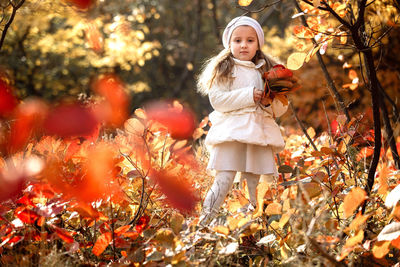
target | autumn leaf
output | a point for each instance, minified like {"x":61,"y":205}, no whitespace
{"x":393,"y":197}
{"x":296,"y":60}
{"x":8,"y":101}
{"x":65,"y":235}
{"x":380,"y":249}
{"x":179,"y":121}
{"x":142,"y":223}
{"x":382,"y":179}
{"x":94,"y":37}
{"x":273,"y":209}
{"x":358,"y":221}
{"x":353,"y":200}
{"x":70,"y":120}
{"x":356,"y":239}
{"x":179,"y":192}
{"x":244,"y":2}
{"x":82,"y":4}
{"x":28,"y":119}
{"x":102,"y":243}
{"x":302,"y":32}
{"x":390,"y":232}
{"x":262,"y":188}
{"x":114,"y":110}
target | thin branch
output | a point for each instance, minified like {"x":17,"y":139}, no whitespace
{"x":8,"y":24}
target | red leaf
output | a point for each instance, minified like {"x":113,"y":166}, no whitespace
{"x":102,"y":243}
{"x":65,"y":235}
{"x":180,"y":194}
{"x":179,"y":121}
{"x":25,"y":200}
{"x":12,"y":181}
{"x":114,"y":110}
{"x":70,"y":120}
{"x":15,"y":240}
{"x":27,"y":216}
{"x":142,"y":223}
{"x":7,"y":100}
{"x":82,"y":4}
{"x":27,"y":120}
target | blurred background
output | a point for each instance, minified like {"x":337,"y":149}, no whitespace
{"x":54,"y":49}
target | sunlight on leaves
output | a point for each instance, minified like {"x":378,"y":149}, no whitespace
{"x":353,"y":200}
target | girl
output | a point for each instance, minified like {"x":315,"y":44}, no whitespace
{"x":244,"y":135}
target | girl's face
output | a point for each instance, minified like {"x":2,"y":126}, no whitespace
{"x":244,"y":43}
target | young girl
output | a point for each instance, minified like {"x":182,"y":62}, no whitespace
{"x":244,"y":135}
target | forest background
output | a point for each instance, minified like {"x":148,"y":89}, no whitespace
{"x":57,"y":53}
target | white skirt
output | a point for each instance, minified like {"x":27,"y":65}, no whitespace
{"x":241,"y":157}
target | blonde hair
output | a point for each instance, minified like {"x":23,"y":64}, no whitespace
{"x":219,"y":68}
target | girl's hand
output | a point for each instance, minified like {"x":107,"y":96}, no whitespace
{"x":257,"y":95}
{"x":266,"y":101}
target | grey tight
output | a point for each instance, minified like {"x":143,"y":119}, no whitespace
{"x":222,"y":184}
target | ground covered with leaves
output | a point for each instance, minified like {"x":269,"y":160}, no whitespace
{"x":133,"y":197}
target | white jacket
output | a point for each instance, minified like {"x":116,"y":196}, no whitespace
{"x":236,"y":117}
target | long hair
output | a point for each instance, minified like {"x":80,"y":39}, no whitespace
{"x":218,"y":69}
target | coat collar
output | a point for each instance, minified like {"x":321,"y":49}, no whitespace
{"x":249,"y":64}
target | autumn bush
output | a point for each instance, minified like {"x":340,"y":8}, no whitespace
{"x":94,"y":183}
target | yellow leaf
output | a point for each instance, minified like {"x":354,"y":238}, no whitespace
{"x":296,"y":60}
{"x":140,"y":113}
{"x":273,"y":209}
{"x":221,"y":229}
{"x":134,"y":126}
{"x":311,"y":132}
{"x":262,"y":188}
{"x":380,"y":249}
{"x":284,"y":219}
{"x":244,"y":2}
{"x":316,"y":3}
{"x":353,"y":200}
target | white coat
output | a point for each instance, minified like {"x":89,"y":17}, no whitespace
{"x":237,"y":118}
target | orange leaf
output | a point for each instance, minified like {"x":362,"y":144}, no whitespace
{"x":380,"y":249}
{"x":273,"y":209}
{"x":382,"y":179}
{"x":396,"y":243}
{"x":353,"y":200}
{"x":102,"y":243}
{"x":356,"y":239}
{"x":121,"y":230}
{"x":365,"y":153}
{"x":303,"y":32}
{"x":352,"y":74}
{"x":64,"y":234}
{"x":114,"y":110}
{"x":358,"y":221}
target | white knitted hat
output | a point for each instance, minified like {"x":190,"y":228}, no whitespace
{"x":241,"y":21}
